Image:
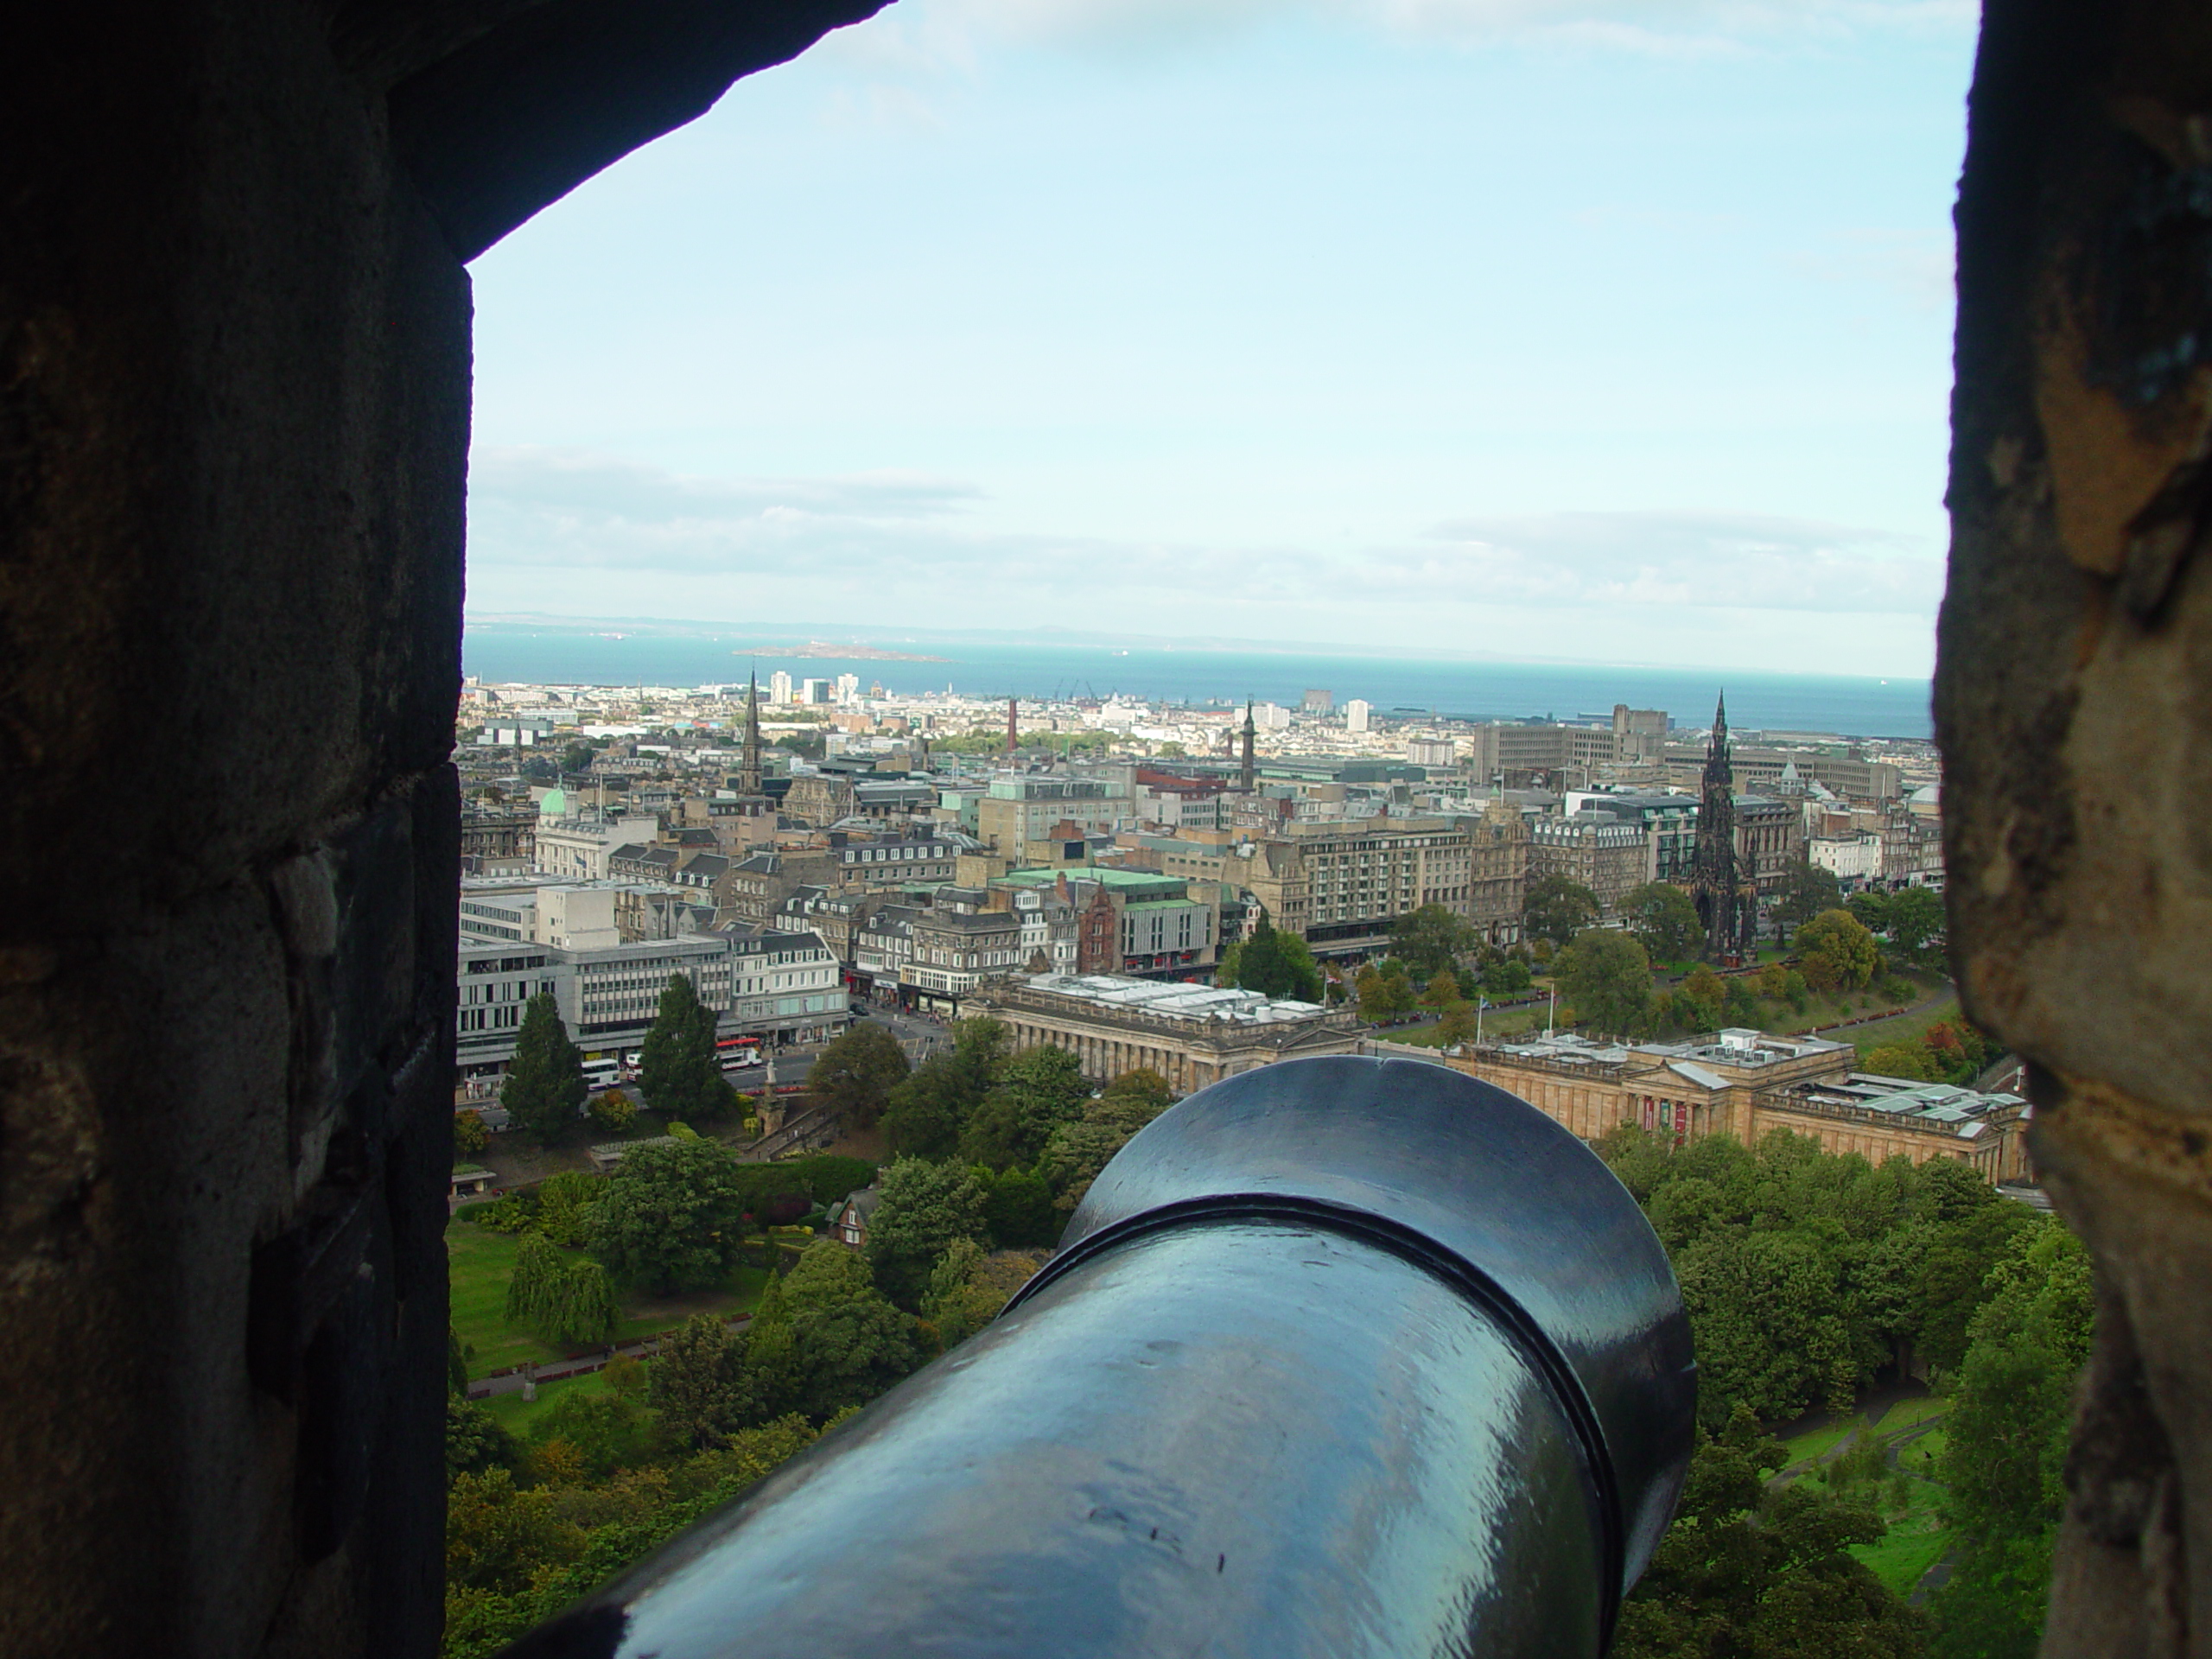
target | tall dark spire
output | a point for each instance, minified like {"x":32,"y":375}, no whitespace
{"x":748,"y":776}
{"x":1246,"y":772}
{"x":1715,"y":884}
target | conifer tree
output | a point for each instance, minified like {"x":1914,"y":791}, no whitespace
{"x":678,"y":1074}
{"x":545,"y":1091}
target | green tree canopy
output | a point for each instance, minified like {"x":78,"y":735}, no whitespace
{"x":1750,"y":1571}
{"x":968,"y":1288}
{"x":854,"y":1073}
{"x":2005,"y":1453}
{"x":850,"y":1343}
{"x":1606,"y":975}
{"x":671,"y":1217}
{"x":924,"y":1208}
{"x":1556,"y":909}
{"x":1431,"y":940}
{"x":1276,"y":963}
{"x":678,"y":1073}
{"x":1837,"y":952}
{"x":698,"y":1381}
{"x":1018,"y":1212}
{"x":1807,"y":890}
{"x":1078,"y":1151}
{"x":569,"y":1303}
{"x":1038,"y":1089}
{"x":545,"y":1089}
{"x":1664,"y":920}
{"x":1509,"y":976}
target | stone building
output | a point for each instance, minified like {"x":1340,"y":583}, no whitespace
{"x":1606,"y":855}
{"x":1746,"y":1084}
{"x":1499,"y":853}
{"x":1341,"y":884}
{"x":1192,"y":1035}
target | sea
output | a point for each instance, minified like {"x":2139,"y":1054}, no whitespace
{"x":1211,"y":675}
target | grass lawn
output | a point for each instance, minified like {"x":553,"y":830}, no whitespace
{"x":1818,"y":1442}
{"x":1904,"y":1028}
{"x":479,"y":1263}
{"x":518,"y":1415}
{"x":1915,"y":1543}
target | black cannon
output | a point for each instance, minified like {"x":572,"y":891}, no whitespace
{"x":1339,"y":1358}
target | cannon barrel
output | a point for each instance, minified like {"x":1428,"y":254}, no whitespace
{"x":1340,"y":1357}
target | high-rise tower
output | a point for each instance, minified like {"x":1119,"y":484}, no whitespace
{"x":1714,"y":884}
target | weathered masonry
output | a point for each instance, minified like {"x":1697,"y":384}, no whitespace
{"x":234,"y":361}
{"x":1747,"y":1084}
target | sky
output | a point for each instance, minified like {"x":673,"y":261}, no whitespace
{"x":1569,"y":330}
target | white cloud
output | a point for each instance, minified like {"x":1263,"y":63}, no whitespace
{"x":1737,"y":560}
{"x":893,"y":540}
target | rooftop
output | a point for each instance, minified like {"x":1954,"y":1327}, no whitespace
{"x":1198,"y":1003}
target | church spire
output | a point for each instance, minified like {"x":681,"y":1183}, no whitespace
{"x":748,"y":777}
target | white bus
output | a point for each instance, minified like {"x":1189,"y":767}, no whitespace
{"x":600,"y":1074}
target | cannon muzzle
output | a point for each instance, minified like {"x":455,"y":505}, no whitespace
{"x":1340,"y":1357}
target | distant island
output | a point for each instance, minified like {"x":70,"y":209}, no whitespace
{"x":845,"y":653}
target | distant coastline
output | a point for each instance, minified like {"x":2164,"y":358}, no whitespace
{"x":849,"y":652}
{"x":996,"y":667}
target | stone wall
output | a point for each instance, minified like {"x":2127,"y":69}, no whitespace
{"x":2074,"y":706}
{"x":234,"y":389}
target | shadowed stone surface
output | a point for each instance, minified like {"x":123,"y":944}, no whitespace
{"x":2075,"y":707}
{"x":234,"y":386}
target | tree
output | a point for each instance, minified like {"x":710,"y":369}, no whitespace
{"x":968,"y":1288}
{"x":1507,"y":977}
{"x":671,"y":1217}
{"x":564,"y":1206}
{"x":613,"y":1111}
{"x":1916,"y":920}
{"x":1556,"y":909}
{"x":698,"y":1381}
{"x":854,"y":1074}
{"x":566,"y":1302}
{"x":1382,"y":996}
{"x":1078,"y":1151}
{"x":1276,"y":963}
{"x":924,"y":1115}
{"x":1749,"y":1571}
{"x":1807,"y":890}
{"x":2004,"y":1455}
{"x":1431,"y":940}
{"x":1608,"y":978}
{"x":1018,"y":1211}
{"x":1837,"y":952}
{"x":470,"y":1137}
{"x":678,"y":1073}
{"x":849,"y":1342}
{"x":605,"y":1431}
{"x":545,"y":1089}
{"x":1899,"y":1060}
{"x":1661,"y":915}
{"x":1456,"y":1023}
{"x":1707,"y":996}
{"x":476,"y":1440}
{"x":1038,"y":1089}
{"x":924,"y":1208}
